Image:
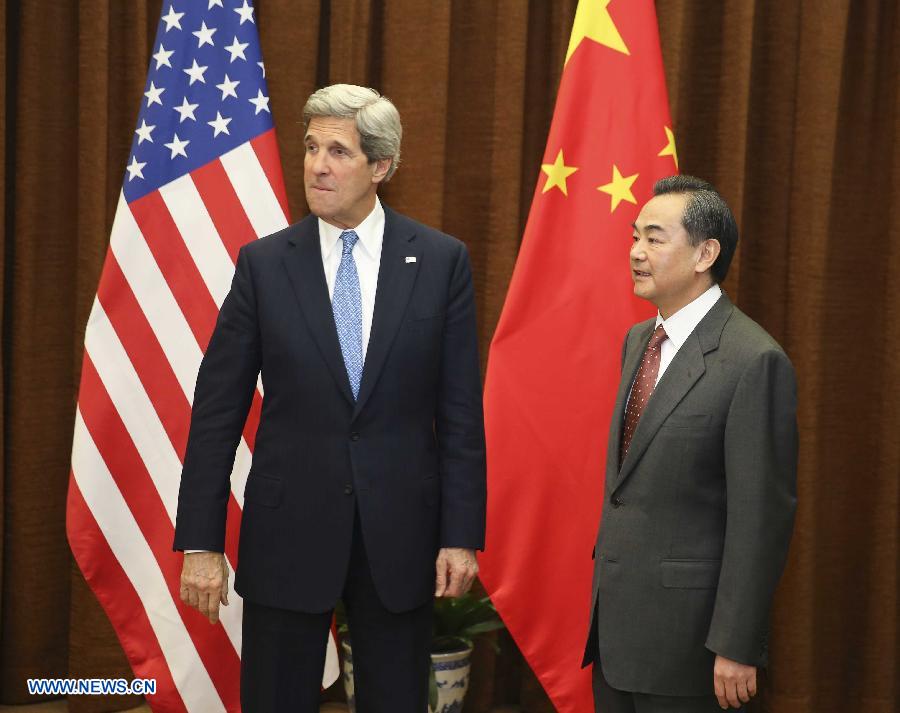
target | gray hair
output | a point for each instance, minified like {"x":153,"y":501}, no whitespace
{"x":377,"y":119}
{"x":706,"y":215}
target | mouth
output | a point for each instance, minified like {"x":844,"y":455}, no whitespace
{"x":639,"y":274}
{"x":323,"y":189}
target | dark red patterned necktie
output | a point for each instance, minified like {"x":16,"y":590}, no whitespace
{"x":644,"y":383}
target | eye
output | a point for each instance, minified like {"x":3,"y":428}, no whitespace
{"x":310,"y":148}
{"x":338,"y":151}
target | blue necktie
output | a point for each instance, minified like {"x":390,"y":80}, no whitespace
{"x":346,"y":303}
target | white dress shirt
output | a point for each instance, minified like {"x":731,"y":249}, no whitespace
{"x":680,"y":325}
{"x":366,"y":255}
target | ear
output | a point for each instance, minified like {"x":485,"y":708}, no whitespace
{"x":709,"y":252}
{"x":382,"y":166}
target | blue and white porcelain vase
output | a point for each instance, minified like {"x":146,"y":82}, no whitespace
{"x":451,"y":673}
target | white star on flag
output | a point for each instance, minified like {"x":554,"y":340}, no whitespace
{"x":143,"y":132}
{"x":135,"y":168}
{"x":262,"y":66}
{"x":260,"y":102}
{"x":228,"y":88}
{"x":220,"y":124}
{"x":204,"y":36}
{"x":213,"y":3}
{"x":162,"y":57}
{"x":177,"y":147}
{"x":246,"y":13}
{"x":237,"y":49}
{"x":186,"y":110}
{"x":153,"y":94}
{"x":195,"y":72}
{"x":173,"y":19}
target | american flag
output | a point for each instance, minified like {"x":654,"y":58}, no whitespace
{"x":203,"y":178}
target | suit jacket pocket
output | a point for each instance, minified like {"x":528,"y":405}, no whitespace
{"x":264,"y":490}
{"x":690,"y":574}
{"x":687,"y":420}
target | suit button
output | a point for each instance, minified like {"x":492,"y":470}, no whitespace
{"x":354,"y":436}
{"x":617,"y":502}
{"x":348,"y":490}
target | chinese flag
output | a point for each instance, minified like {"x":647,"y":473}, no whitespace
{"x":554,"y":361}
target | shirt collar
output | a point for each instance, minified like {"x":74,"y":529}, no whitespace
{"x":680,"y":325}
{"x":370,"y":232}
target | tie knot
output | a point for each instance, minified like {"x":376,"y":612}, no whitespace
{"x":658,"y":337}
{"x":349,"y":237}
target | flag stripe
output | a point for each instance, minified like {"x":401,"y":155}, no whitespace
{"x":133,"y":405}
{"x":156,"y":224}
{"x":200,"y":236}
{"x":153,"y":369}
{"x":246,"y":175}
{"x":157,"y":303}
{"x":127,"y":469}
{"x":129,"y":548}
{"x":265,"y":146}
{"x":120,"y":600}
{"x":224,"y":208}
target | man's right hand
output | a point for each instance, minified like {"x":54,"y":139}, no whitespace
{"x":204,"y":583}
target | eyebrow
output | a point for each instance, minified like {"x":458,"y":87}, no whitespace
{"x":651,"y":226}
{"x":335,"y":142}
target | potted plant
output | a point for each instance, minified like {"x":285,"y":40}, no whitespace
{"x":457,"y":622}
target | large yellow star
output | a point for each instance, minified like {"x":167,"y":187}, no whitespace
{"x":619,"y":188}
{"x":669,"y":149}
{"x":592,"y":20}
{"x":557,"y":173}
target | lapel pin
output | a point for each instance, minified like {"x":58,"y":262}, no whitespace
{"x":410,"y":259}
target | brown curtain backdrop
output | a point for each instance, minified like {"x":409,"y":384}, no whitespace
{"x":791,"y":108}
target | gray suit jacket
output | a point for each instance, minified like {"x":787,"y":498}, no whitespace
{"x":696,"y":523}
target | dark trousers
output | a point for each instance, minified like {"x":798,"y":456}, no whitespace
{"x":283,"y":652}
{"x":611,"y":700}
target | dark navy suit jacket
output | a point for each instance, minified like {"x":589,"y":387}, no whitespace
{"x":409,"y":453}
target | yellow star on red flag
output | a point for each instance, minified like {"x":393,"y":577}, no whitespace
{"x":593,"y":21}
{"x":619,"y":188}
{"x":557,"y":173}
{"x":669,"y":149}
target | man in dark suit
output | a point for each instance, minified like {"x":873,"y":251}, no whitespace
{"x":368,"y":476}
{"x":700,"y":479}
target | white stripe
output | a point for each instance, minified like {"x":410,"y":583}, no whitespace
{"x":137,"y":561}
{"x":254,"y":190}
{"x":155,"y":298}
{"x":332,"y":664}
{"x":200,"y":235}
{"x":134,"y":407}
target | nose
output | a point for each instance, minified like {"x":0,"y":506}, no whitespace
{"x":318,"y":162}
{"x":637,"y":252}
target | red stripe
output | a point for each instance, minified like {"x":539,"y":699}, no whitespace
{"x":146,"y":354}
{"x":120,"y":601}
{"x":134,"y":482}
{"x":171,"y":254}
{"x":253,"y":417}
{"x":224,"y":207}
{"x":266,"y":148}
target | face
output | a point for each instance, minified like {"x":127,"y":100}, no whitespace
{"x":666,"y":269}
{"x":340,"y":182}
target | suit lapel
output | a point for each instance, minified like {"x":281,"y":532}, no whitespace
{"x":679,"y":378}
{"x":396,"y":277}
{"x":303,"y":261}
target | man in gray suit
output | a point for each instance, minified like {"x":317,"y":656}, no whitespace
{"x":700,"y":479}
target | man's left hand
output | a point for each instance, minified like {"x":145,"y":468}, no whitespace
{"x":735,"y":683}
{"x":456,"y":570}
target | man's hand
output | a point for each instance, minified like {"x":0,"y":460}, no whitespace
{"x":204,"y":583}
{"x":735,"y":683}
{"x":456,"y":570}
